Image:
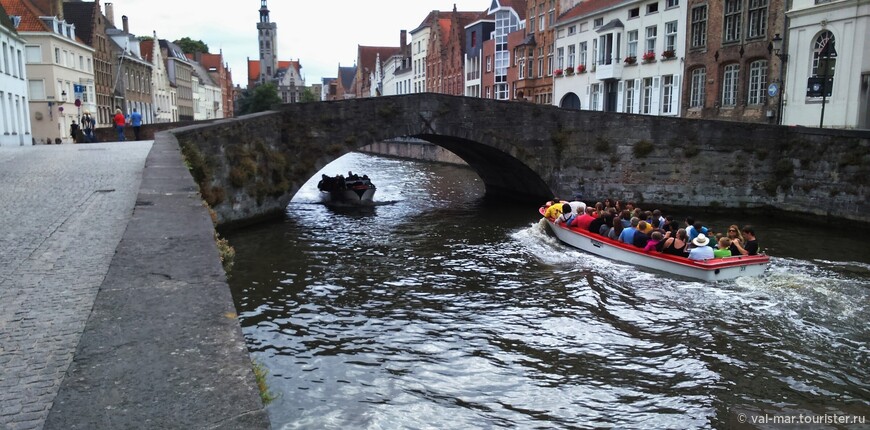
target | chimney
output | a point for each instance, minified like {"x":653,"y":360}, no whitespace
{"x":57,"y":7}
{"x":126,"y":24}
{"x":110,"y":13}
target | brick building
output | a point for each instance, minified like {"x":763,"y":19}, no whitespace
{"x":445,"y":72}
{"x":91,"y":29}
{"x":132,"y":80}
{"x":728,"y":63}
{"x":367,"y":61}
{"x":220,"y":73}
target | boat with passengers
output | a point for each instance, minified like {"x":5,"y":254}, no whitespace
{"x":716,"y":269}
{"x":352,"y":189}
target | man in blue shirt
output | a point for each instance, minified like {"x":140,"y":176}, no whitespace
{"x":136,"y":121}
{"x":627,"y":235}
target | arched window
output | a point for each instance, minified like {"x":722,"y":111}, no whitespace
{"x":822,"y":40}
{"x":697,"y":90}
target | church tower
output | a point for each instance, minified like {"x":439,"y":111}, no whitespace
{"x":268,"y":36}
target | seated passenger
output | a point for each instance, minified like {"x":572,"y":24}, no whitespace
{"x":627,"y":235}
{"x":584,"y":221}
{"x":751,"y":245}
{"x":554,"y":210}
{"x":640,"y":236}
{"x":654,"y":242}
{"x":577,"y":207}
{"x":599,"y":222}
{"x":566,"y":216}
{"x":701,"y":251}
{"x":617,"y":229}
{"x":625,"y":216}
{"x":676,"y":245}
{"x":645,"y":227}
{"x":724,"y":248}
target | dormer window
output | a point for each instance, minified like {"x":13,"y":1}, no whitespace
{"x":16,"y":20}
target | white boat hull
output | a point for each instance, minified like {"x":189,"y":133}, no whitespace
{"x":352,"y":196}
{"x":708,"y":270}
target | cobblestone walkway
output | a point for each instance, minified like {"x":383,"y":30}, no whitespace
{"x":63,"y":211}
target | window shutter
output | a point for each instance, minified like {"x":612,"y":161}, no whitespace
{"x":678,"y":96}
{"x":619,"y":93}
{"x":588,"y":97}
{"x":638,"y":93}
{"x":655,"y":98}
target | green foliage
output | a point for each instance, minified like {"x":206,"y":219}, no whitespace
{"x":226,"y":251}
{"x":190,"y":46}
{"x":260,"y":373}
{"x":261,"y":99}
{"x":642,"y":148}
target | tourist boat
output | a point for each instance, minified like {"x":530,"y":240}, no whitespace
{"x":706,"y":270}
{"x":354,"y":190}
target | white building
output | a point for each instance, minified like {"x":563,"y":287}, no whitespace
{"x":419,"y":49}
{"x":14,"y":109}
{"x":812,"y":25}
{"x":476,"y":34}
{"x":623,"y":56}
{"x":207,"y":100}
{"x":165,"y":96}
{"x":59,"y":71}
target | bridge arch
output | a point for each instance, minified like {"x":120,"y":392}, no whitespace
{"x":252,"y":166}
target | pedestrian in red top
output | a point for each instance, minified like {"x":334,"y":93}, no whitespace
{"x":120,"y":120}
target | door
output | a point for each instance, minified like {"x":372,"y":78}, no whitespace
{"x":611,"y":97}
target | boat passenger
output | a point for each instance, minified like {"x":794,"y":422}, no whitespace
{"x":583,"y":221}
{"x":554,"y":210}
{"x":566,"y":215}
{"x":735,"y":236}
{"x":625,"y":216}
{"x":691,"y":230}
{"x":616,"y":230}
{"x":658,"y":221}
{"x":577,"y":207}
{"x":724,"y":248}
{"x":600,"y":223}
{"x":627,"y":235}
{"x":751,"y":245}
{"x":676,"y":245}
{"x":640,"y":236}
{"x":654,"y":242}
{"x":701,"y":251}
{"x":645,"y":227}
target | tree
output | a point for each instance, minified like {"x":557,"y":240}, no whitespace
{"x":309,"y":96}
{"x":190,"y":46}
{"x":261,"y":99}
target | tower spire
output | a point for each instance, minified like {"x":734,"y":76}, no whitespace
{"x":267,"y":32}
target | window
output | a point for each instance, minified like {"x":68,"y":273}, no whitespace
{"x":36,"y":89}
{"x":652,"y":8}
{"x":596,"y":94}
{"x":560,"y":58}
{"x":488,"y":63}
{"x":572,"y":30}
{"x":819,"y":66}
{"x":582,"y":53}
{"x":629,"y":97}
{"x":699,"y":26}
{"x":651,"y":33}
{"x":542,"y":25}
{"x":757,"y":18}
{"x":33,"y":54}
{"x":757,"y":82}
{"x":633,"y":13}
{"x":733,"y":15}
{"x":532,"y":23}
{"x":696,"y":94}
{"x":57,"y":55}
{"x":729,"y":85}
{"x":632,"y":43}
{"x":5,"y":59}
{"x":671,"y":36}
{"x":540,"y":67}
{"x":668,"y":94}
{"x":572,"y":50}
{"x":671,"y":3}
{"x":646,"y":103}
{"x":598,"y":22}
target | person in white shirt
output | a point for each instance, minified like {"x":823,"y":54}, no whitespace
{"x":701,"y":251}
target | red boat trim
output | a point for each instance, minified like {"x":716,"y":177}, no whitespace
{"x":718,"y":263}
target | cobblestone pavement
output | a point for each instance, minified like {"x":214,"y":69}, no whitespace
{"x":64,"y":210}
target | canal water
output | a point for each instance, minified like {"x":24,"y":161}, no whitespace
{"x":438,"y":310}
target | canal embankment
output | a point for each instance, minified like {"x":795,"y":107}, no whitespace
{"x":162,"y":347}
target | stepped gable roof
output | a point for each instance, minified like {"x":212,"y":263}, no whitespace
{"x":346,"y":76}
{"x":587,"y":7}
{"x":82,"y":15}
{"x":29,"y":15}
{"x":425,"y":23}
{"x":368,"y":55}
{"x":147,"y":48}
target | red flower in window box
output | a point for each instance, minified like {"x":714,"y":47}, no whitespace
{"x":630,"y":60}
{"x":649,"y":56}
{"x":581,"y":68}
{"x":569,"y":70}
{"x":669,"y":54}
{"x":557,"y":72}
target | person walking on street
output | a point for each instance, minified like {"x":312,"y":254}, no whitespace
{"x":136,"y":122}
{"x":88,"y":124}
{"x":119,"y":124}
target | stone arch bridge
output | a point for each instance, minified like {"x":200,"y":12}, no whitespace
{"x":250,"y":167}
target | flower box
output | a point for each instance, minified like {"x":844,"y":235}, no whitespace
{"x":649,"y":56}
{"x":557,"y":72}
{"x":630,"y":60}
{"x":669,"y":54}
{"x":569,"y":70}
{"x":581,"y":68}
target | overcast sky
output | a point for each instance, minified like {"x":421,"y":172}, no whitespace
{"x":320,"y":34}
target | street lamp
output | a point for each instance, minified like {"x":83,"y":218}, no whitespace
{"x":827,"y":53}
{"x":776,"y":48}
